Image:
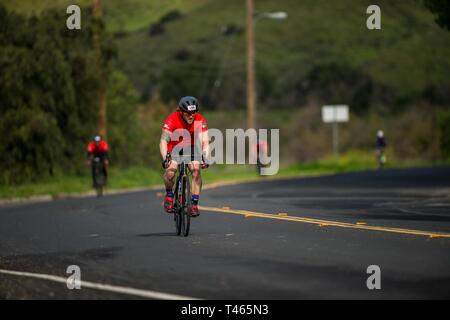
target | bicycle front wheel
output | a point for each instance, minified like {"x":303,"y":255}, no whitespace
{"x":177,"y":210}
{"x":187,"y":203}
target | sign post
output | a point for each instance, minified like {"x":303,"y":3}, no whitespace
{"x":335,"y":115}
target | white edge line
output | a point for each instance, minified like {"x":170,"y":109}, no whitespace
{"x":105,"y":287}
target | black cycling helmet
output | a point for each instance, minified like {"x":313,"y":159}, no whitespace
{"x":188,"y":104}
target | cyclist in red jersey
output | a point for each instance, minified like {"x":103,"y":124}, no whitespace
{"x":187,"y":118}
{"x":260,"y":151}
{"x":98,"y":148}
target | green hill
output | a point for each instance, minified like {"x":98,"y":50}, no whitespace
{"x":120,"y":15}
{"x":323,"y":53}
{"x":321,"y":43}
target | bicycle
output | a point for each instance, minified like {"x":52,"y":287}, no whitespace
{"x":182,"y":195}
{"x":381,"y":159}
{"x":98,"y":174}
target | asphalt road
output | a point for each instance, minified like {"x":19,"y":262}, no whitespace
{"x":310,"y":238}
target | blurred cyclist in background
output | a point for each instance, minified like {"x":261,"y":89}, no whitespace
{"x":380,"y":149}
{"x":260,"y":149}
{"x":98,"y":149}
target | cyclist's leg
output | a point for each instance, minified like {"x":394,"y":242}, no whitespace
{"x":196,"y":188}
{"x":169,"y":181}
{"x":93,"y":174}
{"x":105,"y":168}
{"x":169,"y":175}
{"x":170,"y":172}
{"x":195,"y":168}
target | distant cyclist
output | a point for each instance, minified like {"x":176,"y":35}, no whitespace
{"x":380,"y":149}
{"x":186,"y":117}
{"x":260,"y":149}
{"x":98,"y":148}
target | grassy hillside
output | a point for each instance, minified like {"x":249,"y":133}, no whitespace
{"x":404,"y":61}
{"x":409,"y":54}
{"x":120,"y":15}
{"x":30,"y":7}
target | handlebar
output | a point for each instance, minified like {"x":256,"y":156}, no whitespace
{"x":186,"y":159}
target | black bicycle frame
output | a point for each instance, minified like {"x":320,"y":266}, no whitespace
{"x":98,"y":175}
{"x":182,"y":199}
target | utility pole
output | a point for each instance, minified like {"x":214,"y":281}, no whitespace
{"x":336,"y":140}
{"x":251,"y":92}
{"x":251,"y":85}
{"x":335,"y":115}
{"x":101,"y":93}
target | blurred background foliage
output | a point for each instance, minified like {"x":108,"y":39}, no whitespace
{"x":155,"y":51}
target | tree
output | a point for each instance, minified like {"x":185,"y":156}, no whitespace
{"x":123,"y":132}
{"x":48,"y":94}
{"x":441,"y":8}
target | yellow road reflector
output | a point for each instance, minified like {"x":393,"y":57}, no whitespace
{"x":360,"y":223}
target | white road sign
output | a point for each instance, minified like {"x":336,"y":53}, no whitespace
{"x":331,"y":114}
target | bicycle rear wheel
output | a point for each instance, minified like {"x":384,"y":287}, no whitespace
{"x":99,"y":191}
{"x":99,"y":180}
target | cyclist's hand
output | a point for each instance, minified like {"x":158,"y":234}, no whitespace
{"x":166,"y":162}
{"x":205,"y":163}
{"x":88,"y":162}
{"x":106,"y":162}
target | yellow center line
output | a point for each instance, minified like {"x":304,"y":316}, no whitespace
{"x":326,"y":223}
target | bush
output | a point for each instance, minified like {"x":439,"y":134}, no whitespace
{"x":336,"y":84}
{"x":31,"y":146}
{"x":158,"y":27}
{"x":411,"y":135}
{"x":151,"y":117}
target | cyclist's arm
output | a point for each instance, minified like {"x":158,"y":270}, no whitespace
{"x":89,"y":152}
{"x":105,"y":151}
{"x":165,"y":138}
{"x":205,"y":143}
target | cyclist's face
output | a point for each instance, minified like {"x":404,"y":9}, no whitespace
{"x":188,"y":117}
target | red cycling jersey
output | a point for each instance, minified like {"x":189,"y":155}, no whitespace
{"x":175,"y":121}
{"x":98,"y":150}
